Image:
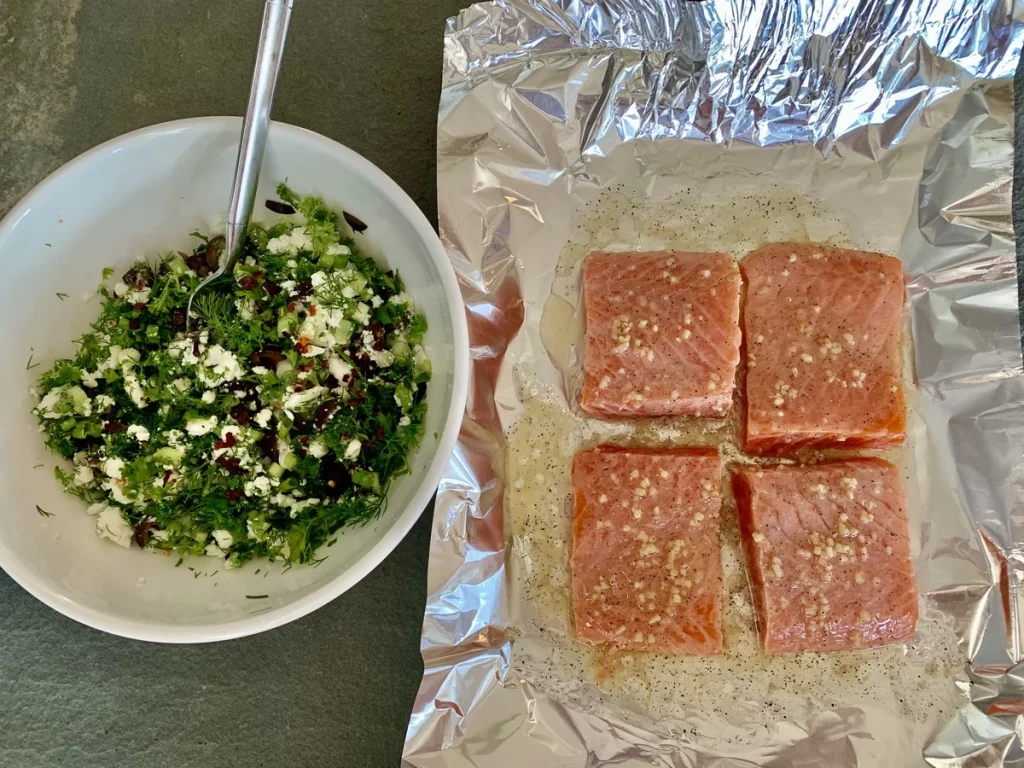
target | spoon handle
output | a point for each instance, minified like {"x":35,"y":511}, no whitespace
{"x":255,"y":127}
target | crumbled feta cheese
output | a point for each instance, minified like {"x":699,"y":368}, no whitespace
{"x":212,"y":550}
{"x":337,"y":249}
{"x":84,"y":475}
{"x":296,"y":400}
{"x":258,"y":486}
{"x":110,"y":524}
{"x":138,"y":297}
{"x":383,"y":358}
{"x":291,"y":242}
{"x":263,"y":418}
{"x":139,"y":432}
{"x":352,"y":451}
{"x":223,"y":364}
{"x":133,"y":388}
{"x":182,"y":385}
{"x":103,"y":402}
{"x":89,"y":379}
{"x":405,"y":421}
{"x":114,"y":488}
{"x":400,"y":298}
{"x":223,"y":538}
{"x":120,"y":289}
{"x":112,"y":467}
{"x":318,"y":450}
{"x":339,"y":368}
{"x":185,"y":348}
{"x":200,"y":427}
{"x":208,"y":396}
{"x":288,"y":285}
{"x":376,"y":301}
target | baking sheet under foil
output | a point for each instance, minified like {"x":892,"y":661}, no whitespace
{"x":567,"y":126}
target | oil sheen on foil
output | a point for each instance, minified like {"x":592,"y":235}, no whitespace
{"x":567,"y":126}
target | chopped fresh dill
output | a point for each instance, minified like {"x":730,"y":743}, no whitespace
{"x":62,"y":296}
{"x":256,"y":597}
{"x":285,"y":417}
{"x":42,"y":512}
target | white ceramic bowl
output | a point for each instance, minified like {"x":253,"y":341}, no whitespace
{"x":141,"y":195}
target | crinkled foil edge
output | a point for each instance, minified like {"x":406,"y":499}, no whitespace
{"x":848,"y":78}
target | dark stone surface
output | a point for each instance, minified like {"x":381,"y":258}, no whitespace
{"x":335,"y":688}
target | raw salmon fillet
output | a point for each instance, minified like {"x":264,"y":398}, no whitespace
{"x":829,"y":555}
{"x":663,"y":336}
{"x":646,"y":565}
{"x":822,"y":331}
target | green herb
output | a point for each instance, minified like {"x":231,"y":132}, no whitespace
{"x":43,"y":512}
{"x":62,"y":296}
{"x":256,"y":597}
{"x":37,"y":466}
{"x":285,"y":417}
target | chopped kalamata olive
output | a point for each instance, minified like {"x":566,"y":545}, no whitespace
{"x":138,"y":277}
{"x":213,"y":249}
{"x":268,"y":358}
{"x":324,"y":412}
{"x":272,"y":288}
{"x":247,"y":283}
{"x":304,"y":289}
{"x":241,"y":414}
{"x":142,"y":532}
{"x":335,"y":476}
{"x":197,"y":263}
{"x":113,"y":427}
{"x":134,"y":324}
{"x":230,"y":465}
{"x":357,"y":224}
{"x":268,"y":444}
{"x":168,"y":474}
{"x":178,"y":318}
{"x":229,"y":441}
{"x":234,"y":494}
{"x":380,"y":341}
{"x":299,"y":424}
{"x":421,"y":392}
{"x":278,"y":207}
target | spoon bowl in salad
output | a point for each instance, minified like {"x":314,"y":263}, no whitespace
{"x":140,"y":196}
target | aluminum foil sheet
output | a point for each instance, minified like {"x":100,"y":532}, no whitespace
{"x":571,"y":125}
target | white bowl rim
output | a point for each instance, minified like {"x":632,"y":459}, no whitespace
{"x":173,"y":633}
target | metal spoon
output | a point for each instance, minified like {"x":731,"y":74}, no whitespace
{"x":253,"y":143}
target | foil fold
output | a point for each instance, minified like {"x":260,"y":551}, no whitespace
{"x":545,"y":103}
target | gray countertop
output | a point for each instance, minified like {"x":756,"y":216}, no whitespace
{"x":335,"y":688}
